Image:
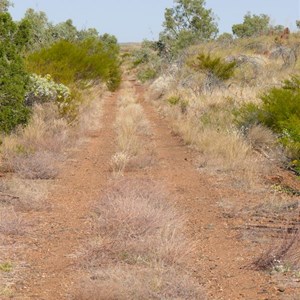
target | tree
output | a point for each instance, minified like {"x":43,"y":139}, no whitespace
{"x":188,"y":22}
{"x":298,"y":24}
{"x":40,"y":33}
{"x":87,"y":33}
{"x":253,"y":25}
{"x":13,"y":79}
{"x":4,"y":5}
{"x":64,"y":31}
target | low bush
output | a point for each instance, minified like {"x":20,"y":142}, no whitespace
{"x":70,"y":62}
{"x":279,"y":111}
{"x":44,"y":89}
{"x":214,"y":66}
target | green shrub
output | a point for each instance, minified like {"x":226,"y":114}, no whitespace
{"x":146,"y":74}
{"x":280,"y":111}
{"x":215,"y":67}
{"x":69,"y":62}
{"x":13,"y":79}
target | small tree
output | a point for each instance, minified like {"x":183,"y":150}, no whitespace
{"x":88,"y":33}
{"x":253,"y":25}
{"x":64,"y":31}
{"x":40,"y":29}
{"x":13,"y":79}
{"x":188,"y":22}
{"x":298,"y":24}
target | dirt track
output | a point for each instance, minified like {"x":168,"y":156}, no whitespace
{"x":60,"y":233}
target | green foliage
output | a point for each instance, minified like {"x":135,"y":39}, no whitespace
{"x":64,"y":31}
{"x":282,"y":105}
{"x":174,"y":100}
{"x":247,"y":115}
{"x":186,"y":23}
{"x":214,"y":66}
{"x":280,"y":111}
{"x":4,"y":5}
{"x":298,"y":24}
{"x":13,"y":79}
{"x":69,"y":62}
{"x":146,"y":74}
{"x":146,"y":60}
{"x":40,"y":29}
{"x":87,"y":34}
{"x":253,"y":25}
{"x":44,"y":34}
{"x":225,"y":38}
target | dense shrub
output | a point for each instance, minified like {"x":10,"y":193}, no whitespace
{"x":13,"y":79}
{"x":214,"y":66}
{"x":280,"y":111}
{"x":69,"y":62}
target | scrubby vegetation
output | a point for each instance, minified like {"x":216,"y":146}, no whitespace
{"x":14,"y":78}
{"x":279,"y":111}
{"x":69,"y":62}
{"x":234,"y":99}
{"x":71,"y":57}
{"x":41,"y":91}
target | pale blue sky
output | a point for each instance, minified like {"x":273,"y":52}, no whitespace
{"x":135,"y":20}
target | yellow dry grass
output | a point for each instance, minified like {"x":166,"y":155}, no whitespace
{"x":131,"y":125}
{"x":142,"y":244}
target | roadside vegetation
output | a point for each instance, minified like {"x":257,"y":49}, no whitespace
{"x":141,"y":250}
{"x":52,"y":80}
{"x":235,"y":99}
{"x":133,"y":129}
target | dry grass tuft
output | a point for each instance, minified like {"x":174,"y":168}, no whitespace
{"x":130,"y":123}
{"x":139,"y":226}
{"x":207,"y":124}
{"x":281,"y":256}
{"x":39,"y":165}
{"x":131,"y":126}
{"x":141,"y":249}
{"x":90,"y":114}
{"x":10,"y":222}
{"x":261,"y":137}
{"x":24,"y":195}
{"x":140,"y":283}
{"x":118,"y":162}
{"x":45,"y":134}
